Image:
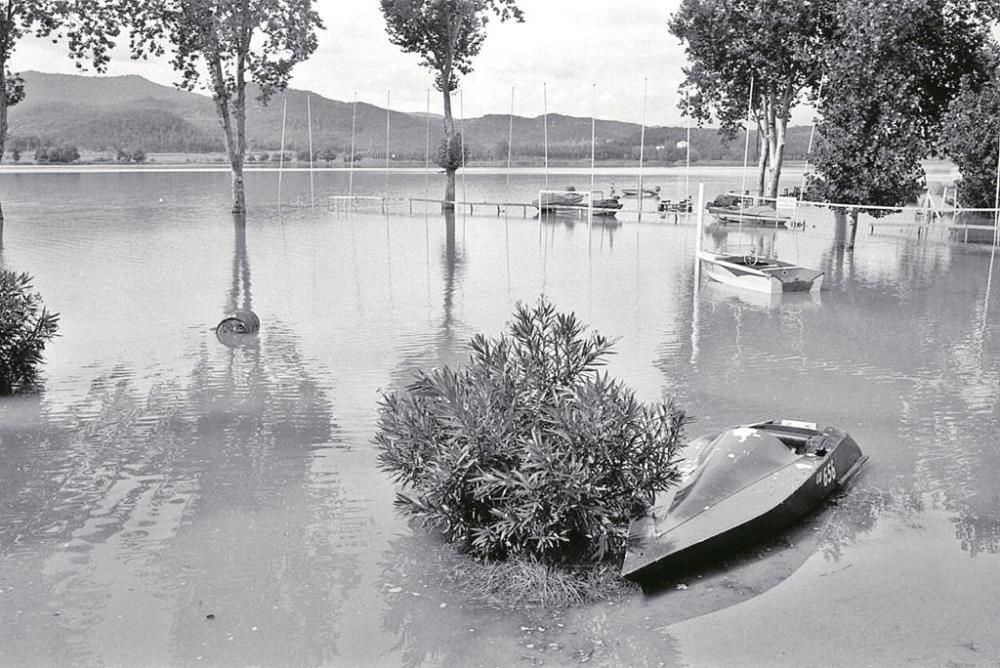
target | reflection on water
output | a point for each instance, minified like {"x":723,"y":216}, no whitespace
{"x":172,"y":500}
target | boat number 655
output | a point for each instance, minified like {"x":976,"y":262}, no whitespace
{"x":827,"y":475}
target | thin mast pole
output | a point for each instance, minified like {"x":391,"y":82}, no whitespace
{"x":281,"y":155}
{"x":545,"y":130}
{"x":350,"y":172}
{"x":427,"y":144}
{"x":593,"y":133}
{"x":996,"y":206}
{"x":642,"y":141}
{"x":312,"y":187}
{"x":387,"y":113}
{"x":510,"y":139}
{"x":746,"y":151}
{"x":687,"y":157}
{"x":461,"y":129}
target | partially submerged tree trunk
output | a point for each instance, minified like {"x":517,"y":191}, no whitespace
{"x":227,"y":110}
{"x":853,"y":217}
{"x":446,"y":155}
{"x":762,"y":149}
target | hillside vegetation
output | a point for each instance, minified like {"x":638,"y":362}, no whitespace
{"x":130,"y":112}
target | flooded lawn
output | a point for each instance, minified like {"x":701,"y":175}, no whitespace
{"x":169,"y":500}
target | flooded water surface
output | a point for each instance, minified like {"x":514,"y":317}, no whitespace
{"x":169,"y":500}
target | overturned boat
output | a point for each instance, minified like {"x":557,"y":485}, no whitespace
{"x":736,"y":487}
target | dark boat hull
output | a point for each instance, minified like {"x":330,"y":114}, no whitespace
{"x":660,"y":543}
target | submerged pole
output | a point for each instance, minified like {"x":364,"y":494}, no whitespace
{"x":461,"y":130}
{"x":281,"y":155}
{"x":312,"y":188}
{"x":642,"y":142}
{"x":427,"y":144}
{"x":593,"y":134}
{"x":545,"y":130}
{"x":387,"y":113}
{"x":746,"y":151}
{"x":996,"y":206}
{"x":687,"y":157}
{"x":510,"y":139}
{"x":350,"y":169}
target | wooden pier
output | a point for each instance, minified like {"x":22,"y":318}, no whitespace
{"x":500,"y":207}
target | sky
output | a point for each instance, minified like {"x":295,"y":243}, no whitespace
{"x":570,"y":57}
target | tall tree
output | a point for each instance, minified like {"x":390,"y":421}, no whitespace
{"x":896,"y":68}
{"x":969,"y":138}
{"x":775,"y":43}
{"x":87,"y":26}
{"x":447,"y":35}
{"x":224,"y":45}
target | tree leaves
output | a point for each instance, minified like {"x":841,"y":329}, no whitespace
{"x":895,"y":69}
{"x":529,"y":450}
{"x":25,"y":328}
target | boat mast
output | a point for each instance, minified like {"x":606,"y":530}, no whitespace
{"x":593,"y":135}
{"x":746,"y":152}
{"x":545,"y":131}
{"x":642,"y":141}
{"x":350,"y":172}
{"x":427,"y":144}
{"x":510,"y":139}
{"x":312,"y":187}
{"x":387,"y":113}
{"x":687,"y":158}
{"x":281,"y":156}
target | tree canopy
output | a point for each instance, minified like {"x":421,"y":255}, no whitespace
{"x":223,"y":45}
{"x":447,"y":35}
{"x":895,"y":70}
{"x":87,"y":26}
{"x":777,"y":44}
{"x":969,"y":138}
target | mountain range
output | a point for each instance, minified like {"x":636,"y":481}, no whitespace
{"x":130,"y":112}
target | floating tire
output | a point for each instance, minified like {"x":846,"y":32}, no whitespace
{"x":237,"y":328}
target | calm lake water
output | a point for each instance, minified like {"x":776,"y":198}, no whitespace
{"x":171,"y":501}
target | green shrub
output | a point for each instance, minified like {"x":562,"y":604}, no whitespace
{"x":529,"y":451}
{"x":25,"y":328}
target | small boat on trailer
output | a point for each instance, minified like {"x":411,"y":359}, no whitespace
{"x":736,"y":487}
{"x":755,"y":272}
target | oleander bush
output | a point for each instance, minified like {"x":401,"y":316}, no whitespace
{"x":25,"y":327}
{"x":529,"y":451}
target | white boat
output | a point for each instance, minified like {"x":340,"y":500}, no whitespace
{"x":760,"y":216}
{"x":554,"y":200}
{"x":763,"y":274}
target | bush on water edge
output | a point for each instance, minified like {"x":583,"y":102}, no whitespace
{"x":529,"y":458}
{"x":25,"y":327}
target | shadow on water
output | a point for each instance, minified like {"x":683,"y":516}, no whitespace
{"x":445,"y":345}
{"x":197,"y":498}
{"x":437,"y":618}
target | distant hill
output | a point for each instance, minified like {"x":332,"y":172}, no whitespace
{"x":108,"y":113}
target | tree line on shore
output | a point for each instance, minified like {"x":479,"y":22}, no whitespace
{"x":893,"y":82}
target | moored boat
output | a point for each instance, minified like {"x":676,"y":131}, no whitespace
{"x":646,"y":192}
{"x":551,"y":200}
{"x":738,"y":486}
{"x":761,"y":215}
{"x":605,"y":206}
{"x":755,"y":272}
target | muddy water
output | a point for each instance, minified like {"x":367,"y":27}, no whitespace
{"x":169,"y":500}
